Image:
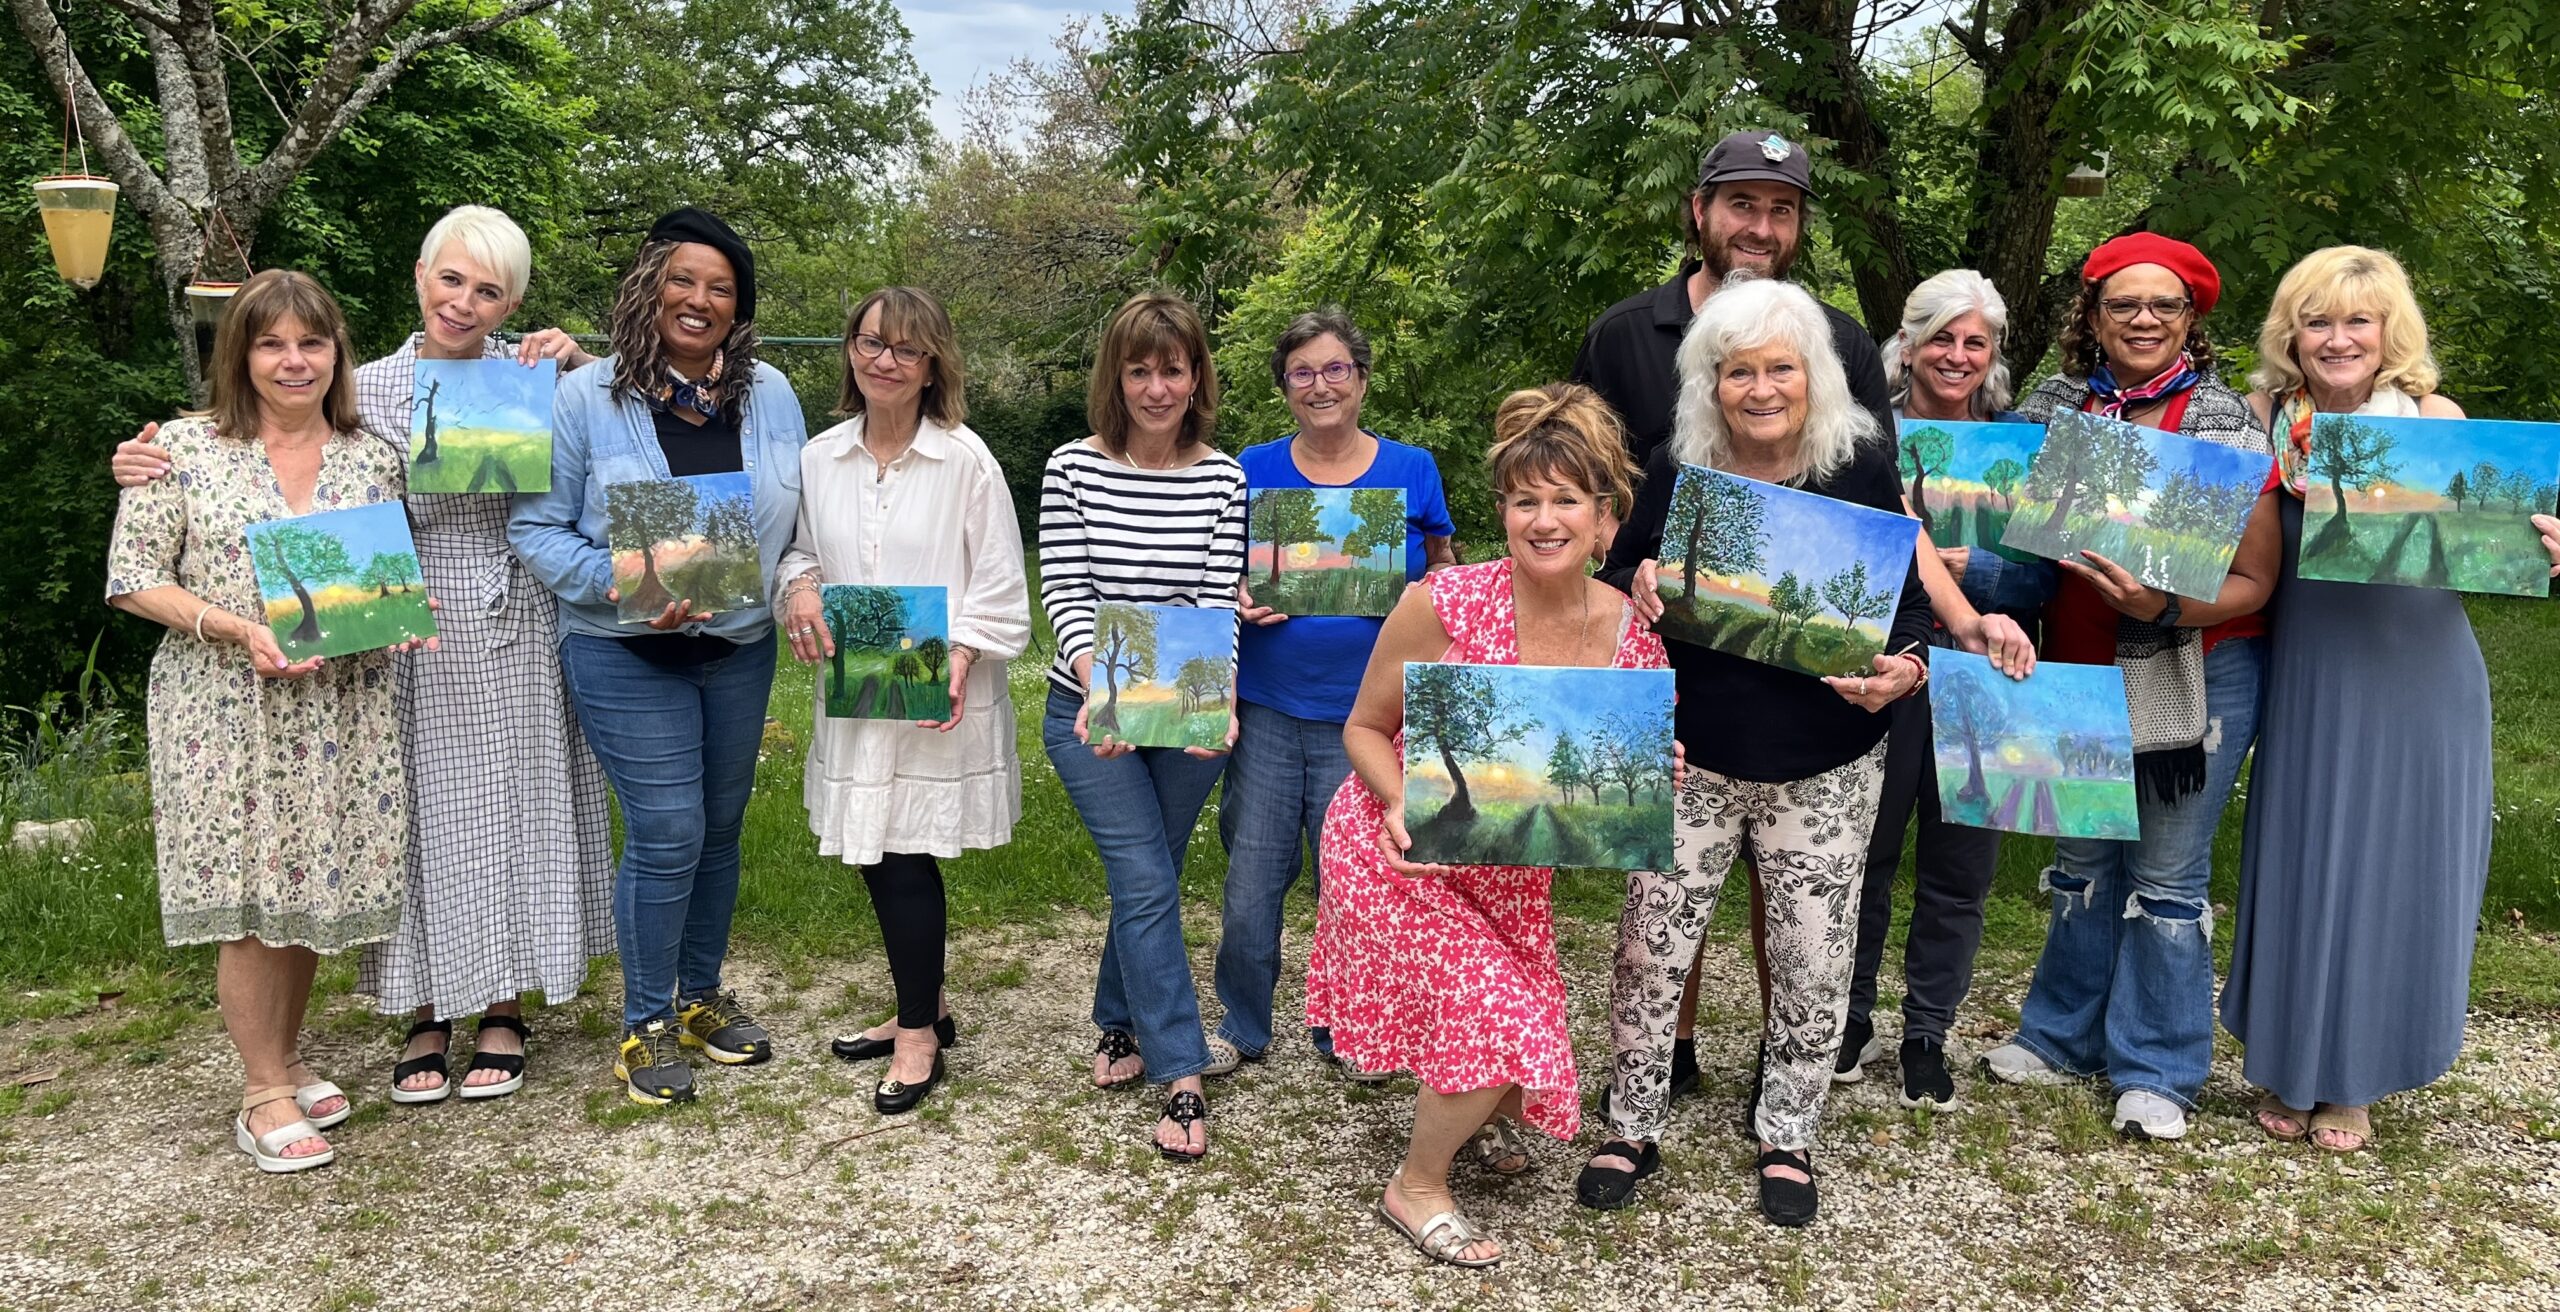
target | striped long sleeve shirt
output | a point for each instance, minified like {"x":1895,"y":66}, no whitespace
{"x":1113,"y":532}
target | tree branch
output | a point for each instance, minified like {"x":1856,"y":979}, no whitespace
{"x":146,"y":12}
{"x":98,"y":123}
{"x":1970,"y":42}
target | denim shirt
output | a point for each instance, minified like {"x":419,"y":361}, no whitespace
{"x":600,"y":437}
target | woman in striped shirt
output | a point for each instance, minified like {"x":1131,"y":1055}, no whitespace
{"x":1144,"y":511}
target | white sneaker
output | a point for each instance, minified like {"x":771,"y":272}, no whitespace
{"x":2142,"y":1114}
{"x":2012,"y":1064}
{"x":1224,"y":1057}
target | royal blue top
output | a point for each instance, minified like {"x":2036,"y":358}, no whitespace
{"x":1309,"y":666}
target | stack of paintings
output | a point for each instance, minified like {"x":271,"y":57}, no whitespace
{"x":690,"y":539}
{"x":2430,"y":503}
{"x":2169,"y":509}
{"x":340,"y":581}
{"x":2048,"y":754}
{"x":1163,"y":676}
{"x":1788,"y":578}
{"x":1326,"y":550}
{"x":892,"y":658}
{"x":1532,"y":765}
{"x":482,"y":426}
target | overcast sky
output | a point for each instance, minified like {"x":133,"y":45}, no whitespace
{"x":958,"y":42}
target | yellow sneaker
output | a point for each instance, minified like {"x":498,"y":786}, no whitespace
{"x":651,"y":1065}
{"x":723,"y":1030}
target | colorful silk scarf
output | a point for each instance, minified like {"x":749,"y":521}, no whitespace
{"x":2112,"y":401}
{"x":700,"y":395}
{"x":2292,"y":431}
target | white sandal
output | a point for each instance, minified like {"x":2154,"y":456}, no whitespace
{"x":1442,"y":1236}
{"x":317,"y":1092}
{"x":267,"y":1150}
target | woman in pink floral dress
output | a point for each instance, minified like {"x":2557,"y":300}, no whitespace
{"x":1450,"y":971}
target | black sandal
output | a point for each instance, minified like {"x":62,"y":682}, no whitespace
{"x":1117,"y":1046}
{"x":1787,"y":1202}
{"x":509,"y":1064}
{"x":1185,"y":1109}
{"x":432,"y":1062}
{"x":1606,"y":1188}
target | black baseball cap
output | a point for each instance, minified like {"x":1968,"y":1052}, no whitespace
{"x":1757,"y":157}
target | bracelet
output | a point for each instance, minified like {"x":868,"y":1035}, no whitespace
{"x":208,"y":609}
{"x":964,"y":649}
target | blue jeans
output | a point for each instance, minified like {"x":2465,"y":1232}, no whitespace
{"x":2125,"y":986}
{"x":678,"y":743}
{"x":1140,"y":808}
{"x":1280,"y":777}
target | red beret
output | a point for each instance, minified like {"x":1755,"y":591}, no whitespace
{"x":2204,"y":283}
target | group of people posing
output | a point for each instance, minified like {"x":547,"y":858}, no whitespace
{"x":442,"y":807}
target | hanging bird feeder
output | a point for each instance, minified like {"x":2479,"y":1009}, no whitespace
{"x":2087,"y":180}
{"x":207,"y":302}
{"x":79,"y":208}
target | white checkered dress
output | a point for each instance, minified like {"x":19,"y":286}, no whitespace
{"x":510,"y":857}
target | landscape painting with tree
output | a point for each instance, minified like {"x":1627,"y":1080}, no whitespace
{"x":1535,"y":765}
{"x":1163,"y":676}
{"x":482,"y":426}
{"x":340,"y":581}
{"x":1327,"y":550}
{"x":893,"y":652}
{"x":683,"y":539}
{"x":2166,"y":507}
{"x":1788,"y":578}
{"x":2430,"y":503}
{"x":2048,"y":754}
{"x":1962,"y":476}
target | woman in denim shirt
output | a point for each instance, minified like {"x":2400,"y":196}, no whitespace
{"x":674,"y":706}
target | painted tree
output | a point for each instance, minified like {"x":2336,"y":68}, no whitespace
{"x":304,"y":557}
{"x":729,"y":527}
{"x":2458,"y":490}
{"x":1717,"y":527}
{"x":1978,"y":715}
{"x":1848,"y":592}
{"x":1282,"y":516}
{"x":1924,"y":451}
{"x":861,"y":619}
{"x":1566,"y":768}
{"x":936,"y":655}
{"x":427,"y":452}
{"x":2182,"y":505}
{"x":648,"y":514}
{"x":2086,"y":459}
{"x":1629,"y":752}
{"x":2488,"y":484}
{"x":1795,"y":602}
{"x":386,"y":570}
{"x":2520,"y":490}
{"x":2002,"y":478}
{"x":2342,"y":452}
{"x":1380,"y":526}
{"x":1124,"y":643}
{"x":1453,"y":711}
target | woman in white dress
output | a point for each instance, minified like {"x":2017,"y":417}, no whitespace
{"x":902,"y":494}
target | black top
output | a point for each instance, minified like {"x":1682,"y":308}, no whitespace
{"x":1630,"y":357}
{"x":710,"y":447}
{"x":1747,"y":720}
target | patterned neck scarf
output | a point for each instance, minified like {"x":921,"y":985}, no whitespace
{"x":700,"y":395}
{"x":2290,"y":425}
{"x":2112,"y":401}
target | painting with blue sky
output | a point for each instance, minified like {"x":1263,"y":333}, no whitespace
{"x":340,"y":581}
{"x":690,"y":539}
{"x":1534,"y":765}
{"x":1163,"y":676}
{"x":892,"y":657}
{"x":2168,"y":508}
{"x":1788,"y":578}
{"x":2048,"y":754}
{"x":2430,"y":503}
{"x":481,"y":426}
{"x":1962,"y":477}
{"x":1326,"y":550}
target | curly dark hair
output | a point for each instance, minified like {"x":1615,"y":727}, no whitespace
{"x":2078,"y":341}
{"x":640,"y":355}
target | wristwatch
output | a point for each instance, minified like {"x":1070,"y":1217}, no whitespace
{"x":2168,"y":616}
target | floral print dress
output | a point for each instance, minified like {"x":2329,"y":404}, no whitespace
{"x":279,"y":804}
{"x":1453,"y":978}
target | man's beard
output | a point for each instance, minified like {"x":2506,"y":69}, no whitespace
{"x":1717,"y":255}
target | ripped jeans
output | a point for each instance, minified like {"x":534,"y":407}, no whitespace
{"x":2125,"y":986}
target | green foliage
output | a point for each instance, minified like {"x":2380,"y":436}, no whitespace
{"x":1380,"y":526}
{"x":1848,"y":593}
{"x":1281,"y":516}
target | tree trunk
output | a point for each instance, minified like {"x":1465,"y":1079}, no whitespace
{"x":308,"y":631}
{"x":2061,"y":508}
{"x":1689,"y":558}
{"x":1829,"y":90}
{"x":1461,"y":807}
{"x":1919,"y":502}
{"x":2015,"y":188}
{"x":2334,"y":535}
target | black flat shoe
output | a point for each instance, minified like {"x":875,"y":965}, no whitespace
{"x":1789,"y":1203}
{"x":1185,"y":1109}
{"x":862,"y":1048}
{"x":508,"y":1064}
{"x":1606,"y":1188}
{"x":433,"y":1061}
{"x":891,"y":1097}
{"x":1684,"y":1070}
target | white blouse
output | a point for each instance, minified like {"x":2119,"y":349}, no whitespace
{"x":937,"y":516}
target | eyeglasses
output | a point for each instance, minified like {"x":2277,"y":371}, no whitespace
{"x":1336,"y":373}
{"x":870,"y":347}
{"x":2124,"y":309}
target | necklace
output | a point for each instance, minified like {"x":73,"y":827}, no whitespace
{"x":1130,"y":458}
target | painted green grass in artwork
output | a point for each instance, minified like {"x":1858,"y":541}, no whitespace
{"x":864,"y":685}
{"x":2466,"y":550}
{"x":1611,"y":835}
{"x":2042,"y":804}
{"x":2182,"y":563}
{"x":484,"y":460}
{"x":1354,"y":590}
{"x":358,"y":625}
{"x":715,"y":581}
{"x":1821,"y":646}
{"x":1161,"y":722}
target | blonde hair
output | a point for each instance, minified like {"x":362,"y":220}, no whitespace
{"x":1152,"y":326}
{"x":2336,"y":281}
{"x":1561,"y":433}
{"x":1748,"y":316}
{"x":911,"y":315}
{"x":489,"y":238}
{"x":264,"y":301}
{"x":1938,"y":301}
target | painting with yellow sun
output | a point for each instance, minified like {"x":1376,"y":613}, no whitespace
{"x":2048,"y":754}
{"x":1529,"y":765}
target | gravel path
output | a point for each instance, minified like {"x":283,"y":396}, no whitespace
{"x":1020,"y":1187}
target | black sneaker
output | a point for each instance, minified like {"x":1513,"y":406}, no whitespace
{"x":1925,"y":1080}
{"x":1684,"y":1069}
{"x":1858,"y":1046}
{"x":651,"y":1065}
{"x":724,"y":1031}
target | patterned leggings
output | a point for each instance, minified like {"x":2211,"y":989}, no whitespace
{"x":1808,"y":842}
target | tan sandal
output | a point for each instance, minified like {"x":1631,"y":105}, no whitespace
{"x":1442,"y":1236}
{"x":1499,"y":1140}
{"x":2333,"y":1119}
{"x":2270,"y":1108}
{"x":267,"y":1150}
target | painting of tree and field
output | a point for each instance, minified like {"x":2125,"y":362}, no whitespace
{"x":893,"y":652}
{"x":1962,"y":477}
{"x":2048,"y":754}
{"x":1326,"y":550}
{"x":1163,"y":676}
{"x":2430,"y":503}
{"x":2167,"y":508}
{"x":340,"y":581}
{"x":1529,"y":765}
{"x":690,"y":539}
{"x":1771,"y":574}
{"x":481,"y":426}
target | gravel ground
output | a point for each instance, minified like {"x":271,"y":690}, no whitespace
{"x":1020,"y":1187}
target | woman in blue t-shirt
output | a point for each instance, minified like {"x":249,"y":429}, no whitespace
{"x":1296,"y":676}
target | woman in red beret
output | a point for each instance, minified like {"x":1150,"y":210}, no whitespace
{"x":2125,"y":987}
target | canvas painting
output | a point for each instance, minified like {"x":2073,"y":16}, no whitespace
{"x":1326,"y":550}
{"x":2430,"y":503}
{"x":1531,"y":765}
{"x":1788,"y":578}
{"x":1163,"y":676}
{"x":684,"y":539}
{"x":1963,"y":477}
{"x":482,"y":426}
{"x":893,"y":652}
{"x":340,"y":581}
{"x":2048,"y":754}
{"x":2167,"y":508}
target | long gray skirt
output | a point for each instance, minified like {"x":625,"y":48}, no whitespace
{"x":2367,"y":845}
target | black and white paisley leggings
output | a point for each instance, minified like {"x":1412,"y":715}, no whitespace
{"x":1809,"y":843}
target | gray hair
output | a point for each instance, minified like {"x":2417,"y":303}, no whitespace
{"x":489,"y":238}
{"x":1935,"y":303}
{"x":1329,"y":321}
{"x":1747,"y":315}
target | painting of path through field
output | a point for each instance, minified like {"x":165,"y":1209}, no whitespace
{"x":893,"y":652}
{"x":2430,"y":503}
{"x":1788,"y":578}
{"x":1533,"y":765}
{"x":482,"y":426}
{"x":2048,"y":754}
{"x":2167,"y":508}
